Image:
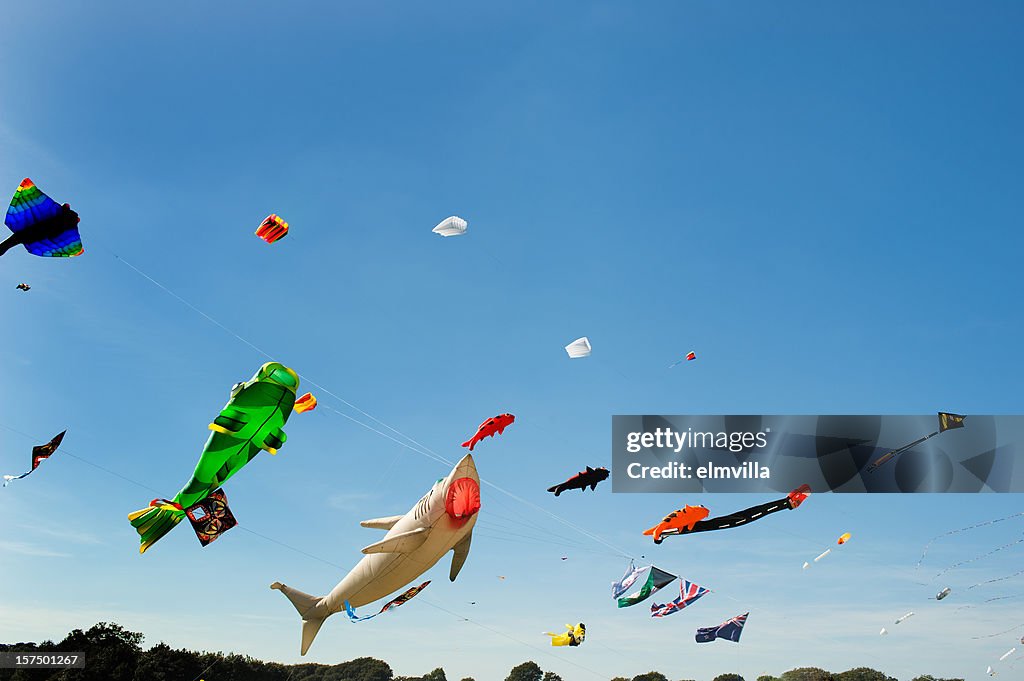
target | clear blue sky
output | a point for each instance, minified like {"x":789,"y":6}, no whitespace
{"x":821,"y":199}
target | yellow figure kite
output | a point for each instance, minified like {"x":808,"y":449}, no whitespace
{"x":573,"y":637}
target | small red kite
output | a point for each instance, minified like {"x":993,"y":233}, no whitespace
{"x":272,"y":229}
{"x":305,"y":403}
{"x":488,"y":428}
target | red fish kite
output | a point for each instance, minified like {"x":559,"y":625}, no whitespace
{"x":488,"y":428}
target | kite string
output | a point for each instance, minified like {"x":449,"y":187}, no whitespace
{"x":423,"y":449}
{"x":963,"y":529}
{"x":200,"y":674}
{"x":437,"y":457}
{"x":997,"y":579}
{"x":984,"y":555}
{"x":186,"y":303}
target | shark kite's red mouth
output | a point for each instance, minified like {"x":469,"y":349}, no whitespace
{"x":463,"y":498}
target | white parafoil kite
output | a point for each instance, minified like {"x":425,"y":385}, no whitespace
{"x":579,"y":348}
{"x":820,"y":556}
{"x":453,"y":226}
{"x":845,"y":537}
{"x":1009,"y":652}
{"x":904,"y":617}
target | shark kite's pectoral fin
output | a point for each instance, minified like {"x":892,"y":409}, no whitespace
{"x":404,"y":542}
{"x":461,"y":551}
{"x":593,"y":485}
{"x":229,"y":421}
{"x":274,"y":440}
{"x":381,"y":523}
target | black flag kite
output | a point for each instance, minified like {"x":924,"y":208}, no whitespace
{"x":39,"y":453}
{"x":947,"y":421}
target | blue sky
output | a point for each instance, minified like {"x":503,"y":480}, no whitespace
{"x":820,"y":199}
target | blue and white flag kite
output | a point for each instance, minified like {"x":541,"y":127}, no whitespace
{"x":729,"y":630}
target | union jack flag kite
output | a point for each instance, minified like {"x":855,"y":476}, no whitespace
{"x":688,"y":593}
{"x":729,"y":630}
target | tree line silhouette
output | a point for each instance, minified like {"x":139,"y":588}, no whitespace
{"x":113,"y":653}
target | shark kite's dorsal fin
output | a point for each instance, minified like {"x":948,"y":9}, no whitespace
{"x":381,"y":523}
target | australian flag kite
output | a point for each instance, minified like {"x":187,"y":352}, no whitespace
{"x":688,"y":593}
{"x":730,"y":630}
{"x":39,"y":454}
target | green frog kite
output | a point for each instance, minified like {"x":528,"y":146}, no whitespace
{"x":251,"y":421}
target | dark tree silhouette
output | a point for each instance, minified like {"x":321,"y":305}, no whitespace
{"x":862,"y":674}
{"x":527,"y":671}
{"x":807,"y":674}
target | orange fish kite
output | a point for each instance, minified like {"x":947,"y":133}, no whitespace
{"x":683,"y":519}
{"x":692,"y":518}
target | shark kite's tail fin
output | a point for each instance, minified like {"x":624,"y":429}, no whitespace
{"x":155,"y":521}
{"x":305,"y":605}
